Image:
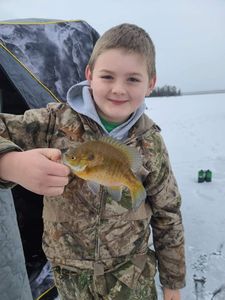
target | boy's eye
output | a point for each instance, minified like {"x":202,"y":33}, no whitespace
{"x":133,"y":79}
{"x":106,"y":77}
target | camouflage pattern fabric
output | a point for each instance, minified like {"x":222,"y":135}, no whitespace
{"x":92,"y":232}
{"x":86,"y":286}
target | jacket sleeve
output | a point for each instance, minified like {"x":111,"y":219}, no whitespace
{"x":166,"y":221}
{"x":25,"y":132}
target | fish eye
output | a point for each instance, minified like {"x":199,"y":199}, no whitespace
{"x":73,"y":157}
{"x":91,"y":156}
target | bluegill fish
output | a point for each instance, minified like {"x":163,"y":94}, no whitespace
{"x":110,"y":163}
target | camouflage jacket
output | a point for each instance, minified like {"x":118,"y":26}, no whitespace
{"x":85,"y":231}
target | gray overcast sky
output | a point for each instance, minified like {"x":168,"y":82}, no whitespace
{"x":189,"y":35}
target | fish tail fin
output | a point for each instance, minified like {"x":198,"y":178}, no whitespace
{"x":138,"y":194}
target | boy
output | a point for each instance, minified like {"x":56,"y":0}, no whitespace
{"x":99,"y":247}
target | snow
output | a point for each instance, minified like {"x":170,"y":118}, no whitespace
{"x":193,"y":129}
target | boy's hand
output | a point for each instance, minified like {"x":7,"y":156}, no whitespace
{"x":171,"y":294}
{"x":38,"y":170}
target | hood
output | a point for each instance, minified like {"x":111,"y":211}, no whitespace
{"x":79,"y":98}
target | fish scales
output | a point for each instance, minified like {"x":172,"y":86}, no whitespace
{"x":107,"y":162}
{"x":115,"y":164}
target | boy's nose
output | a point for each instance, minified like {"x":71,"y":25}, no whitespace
{"x":118,"y":88}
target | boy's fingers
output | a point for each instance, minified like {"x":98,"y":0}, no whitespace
{"x":55,"y":167}
{"x":51,"y":153}
{"x":57,"y":181}
{"x":58,"y":169}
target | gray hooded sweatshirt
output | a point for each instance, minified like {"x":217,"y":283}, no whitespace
{"x":80,"y":99}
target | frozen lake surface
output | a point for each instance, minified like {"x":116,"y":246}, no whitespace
{"x":193,"y":129}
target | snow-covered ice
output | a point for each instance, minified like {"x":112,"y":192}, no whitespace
{"x":193,"y":129}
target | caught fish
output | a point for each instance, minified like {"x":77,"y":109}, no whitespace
{"x":110,"y":163}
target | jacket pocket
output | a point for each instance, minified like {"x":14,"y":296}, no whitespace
{"x":138,"y":269}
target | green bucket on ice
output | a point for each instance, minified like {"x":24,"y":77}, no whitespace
{"x":204,"y":175}
{"x":201,"y":176}
{"x":208,"y":176}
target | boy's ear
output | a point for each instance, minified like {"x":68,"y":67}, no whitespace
{"x":88,"y":73}
{"x":151,"y":85}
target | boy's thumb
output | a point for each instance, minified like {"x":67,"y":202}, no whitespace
{"x":51,"y":153}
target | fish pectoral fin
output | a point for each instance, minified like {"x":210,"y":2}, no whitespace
{"x":93,"y":186}
{"x":138,"y":194}
{"x":115,"y":192}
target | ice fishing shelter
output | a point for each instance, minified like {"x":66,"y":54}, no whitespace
{"x":39,"y":61}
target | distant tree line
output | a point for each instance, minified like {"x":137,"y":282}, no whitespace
{"x":165,"y":91}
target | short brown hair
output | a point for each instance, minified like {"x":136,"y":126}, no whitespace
{"x":129,"y":37}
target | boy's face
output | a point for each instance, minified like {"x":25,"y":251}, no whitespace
{"x":119,"y":84}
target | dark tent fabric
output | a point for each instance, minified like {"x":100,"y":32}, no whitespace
{"x":39,"y":61}
{"x":13,"y":276}
{"x":49,"y":56}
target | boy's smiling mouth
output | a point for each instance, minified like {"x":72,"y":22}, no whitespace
{"x":117,"y":101}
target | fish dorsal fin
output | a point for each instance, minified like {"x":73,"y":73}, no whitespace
{"x":131,"y":153}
